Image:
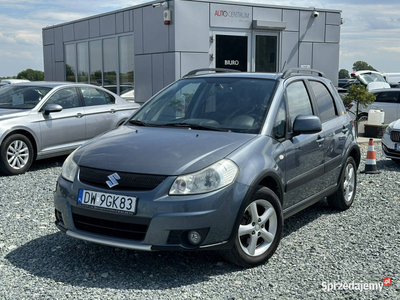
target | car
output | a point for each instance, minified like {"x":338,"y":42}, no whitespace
{"x":370,"y":79}
{"x":344,"y":82}
{"x":128,"y":95}
{"x":393,"y":79}
{"x":12,"y":81}
{"x":391,"y":141}
{"x":387,"y":100}
{"x":216,"y":160}
{"x":45,"y":119}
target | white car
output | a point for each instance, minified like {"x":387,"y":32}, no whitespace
{"x":371,"y":79}
{"x":11,"y":81}
{"x":391,"y":141}
{"x":387,"y":100}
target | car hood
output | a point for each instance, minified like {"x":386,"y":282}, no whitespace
{"x":13,"y":113}
{"x":396,"y":125}
{"x":163,"y":151}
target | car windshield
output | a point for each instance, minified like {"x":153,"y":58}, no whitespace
{"x":21,"y":97}
{"x":210,"y":103}
{"x":371,"y":77}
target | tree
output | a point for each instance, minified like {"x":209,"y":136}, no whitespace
{"x":361,"y":96}
{"x":344,"y":74}
{"x":32,"y":75}
{"x":362,"y":65}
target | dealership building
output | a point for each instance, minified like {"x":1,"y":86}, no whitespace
{"x":151,"y":45}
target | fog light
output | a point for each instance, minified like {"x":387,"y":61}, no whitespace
{"x":194,"y":237}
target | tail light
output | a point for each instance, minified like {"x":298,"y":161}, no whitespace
{"x":350,"y":106}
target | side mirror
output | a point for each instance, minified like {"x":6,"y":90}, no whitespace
{"x":50,"y":108}
{"x":306,"y":124}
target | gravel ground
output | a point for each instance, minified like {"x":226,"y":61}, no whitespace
{"x":319,"y":247}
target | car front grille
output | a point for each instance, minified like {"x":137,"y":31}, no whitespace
{"x":395,"y":136}
{"x":130,"y":231}
{"x":127,"y":181}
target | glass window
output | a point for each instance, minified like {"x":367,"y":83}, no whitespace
{"x":21,"y":97}
{"x":93,"y":96}
{"x":70,"y":61}
{"x":298,"y":100}
{"x":109,"y":63}
{"x":390,"y":97}
{"x":66,"y":97}
{"x":95,"y":62}
{"x":236,"y":104}
{"x":325,"y":102}
{"x":280,"y":121}
{"x":83,"y":62}
{"x":126,"y":77}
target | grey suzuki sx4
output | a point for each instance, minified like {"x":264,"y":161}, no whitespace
{"x":213,"y":161}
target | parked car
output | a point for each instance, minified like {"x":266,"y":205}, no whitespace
{"x":391,"y":141}
{"x":344,"y":83}
{"x":12,"y":81}
{"x":214,"y":161}
{"x":45,"y":119}
{"x":128,"y":95}
{"x":387,"y":100}
{"x":393,"y":79}
{"x":370,"y":79}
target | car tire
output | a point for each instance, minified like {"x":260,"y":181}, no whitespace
{"x":259,"y":232}
{"x":16,"y":155}
{"x":362,"y":117}
{"x":343,"y":198}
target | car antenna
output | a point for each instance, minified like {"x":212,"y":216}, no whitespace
{"x":283,"y":68}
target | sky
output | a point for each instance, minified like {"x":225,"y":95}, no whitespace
{"x":371,"y":29}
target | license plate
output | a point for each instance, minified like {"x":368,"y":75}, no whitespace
{"x":117,"y":203}
{"x":396,"y":147}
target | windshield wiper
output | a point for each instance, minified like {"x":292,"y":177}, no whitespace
{"x":192,"y":126}
{"x":139,"y":123}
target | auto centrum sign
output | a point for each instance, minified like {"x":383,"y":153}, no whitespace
{"x":232,"y":16}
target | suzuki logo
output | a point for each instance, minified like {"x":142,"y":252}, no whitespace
{"x":113,"y":180}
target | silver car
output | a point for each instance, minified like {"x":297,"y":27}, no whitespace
{"x":45,"y":119}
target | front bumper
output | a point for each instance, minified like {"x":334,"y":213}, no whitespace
{"x":389,"y":148}
{"x":162,"y":222}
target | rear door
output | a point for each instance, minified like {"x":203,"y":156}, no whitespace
{"x":64,"y":130}
{"x":335,"y":130}
{"x":100,"y":111}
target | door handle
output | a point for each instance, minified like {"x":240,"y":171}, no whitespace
{"x":112,"y":111}
{"x":320,"y":140}
{"x":79,"y":115}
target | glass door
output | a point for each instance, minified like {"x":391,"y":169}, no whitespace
{"x":231,"y":50}
{"x":265,"y":52}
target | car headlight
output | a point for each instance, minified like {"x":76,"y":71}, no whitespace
{"x":389,"y":128}
{"x":212,"y":178}
{"x":69,"y":168}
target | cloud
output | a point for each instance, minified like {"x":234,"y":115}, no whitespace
{"x":391,"y":49}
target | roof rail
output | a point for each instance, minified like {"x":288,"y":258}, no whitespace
{"x":291,"y":71}
{"x":216,"y":70}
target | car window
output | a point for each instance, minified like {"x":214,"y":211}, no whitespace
{"x":280,"y":121}
{"x":93,"y":96}
{"x":66,"y":97}
{"x":325,"y":102}
{"x":298,"y":100}
{"x":389,"y":96}
{"x":21,"y":97}
{"x":236,"y":104}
